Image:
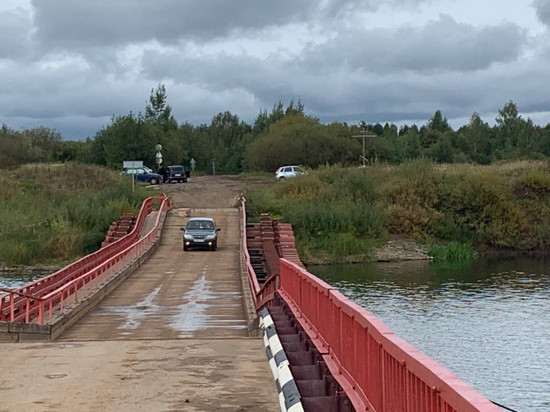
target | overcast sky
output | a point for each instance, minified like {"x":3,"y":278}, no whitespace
{"x":72,"y":65}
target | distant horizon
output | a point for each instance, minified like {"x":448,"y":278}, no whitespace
{"x":454,"y":123}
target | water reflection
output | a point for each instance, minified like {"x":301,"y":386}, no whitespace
{"x":15,"y":280}
{"x":488,"y":321}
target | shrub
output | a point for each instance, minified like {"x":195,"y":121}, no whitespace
{"x":482,"y":204}
{"x":411,"y":220}
{"x":58,"y":213}
{"x":505,"y":205}
{"x":414,"y":184}
{"x":299,"y":188}
{"x":535,"y":185}
{"x":452,"y":251}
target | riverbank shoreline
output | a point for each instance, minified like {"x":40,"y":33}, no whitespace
{"x":31,"y":271}
{"x":407,"y":250}
{"x":391,"y":251}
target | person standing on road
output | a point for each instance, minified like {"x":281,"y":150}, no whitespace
{"x":164,"y":173}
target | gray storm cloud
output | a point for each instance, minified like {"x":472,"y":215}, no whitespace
{"x":74,"y":24}
{"x":440,"y":45}
{"x":101,"y":22}
{"x":543,"y":11}
{"x":14,"y":32}
{"x":65,"y":64}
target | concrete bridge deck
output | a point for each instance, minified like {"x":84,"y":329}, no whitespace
{"x":173,"y":337}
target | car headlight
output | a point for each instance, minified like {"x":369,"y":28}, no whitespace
{"x":210,"y":236}
{"x":188,"y":237}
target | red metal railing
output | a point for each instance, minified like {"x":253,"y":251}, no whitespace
{"x":377,"y":369}
{"x":31,"y":302}
{"x":252,"y":280}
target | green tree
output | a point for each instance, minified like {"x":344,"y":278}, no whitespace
{"x":265,"y":119}
{"x":514,"y":136}
{"x":431,"y":133}
{"x":439,"y":123}
{"x":159,"y":111}
{"x":543,"y":140}
{"x":442,"y":151}
{"x":15,"y":147}
{"x":44,"y":143}
{"x":227,"y":149}
{"x":128,"y":137}
{"x":298,"y":139}
{"x":477,"y":140}
{"x":70,"y":150}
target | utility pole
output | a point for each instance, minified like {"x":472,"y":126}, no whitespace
{"x":364,"y":136}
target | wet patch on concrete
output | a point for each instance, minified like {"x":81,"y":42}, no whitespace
{"x":56,"y":376}
{"x":194,"y":315}
{"x":134,"y":314}
{"x":54,"y":346}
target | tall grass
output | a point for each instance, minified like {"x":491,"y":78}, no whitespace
{"x":460,"y":207}
{"x":54,"y":214}
{"x":457,"y":251}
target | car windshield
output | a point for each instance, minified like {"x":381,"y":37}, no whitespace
{"x":176,"y":169}
{"x":200,"y":225}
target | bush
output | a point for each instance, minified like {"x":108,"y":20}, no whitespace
{"x":56,"y":214}
{"x":452,"y":251}
{"x":535,"y":185}
{"x":482,"y":204}
{"x":504,"y":206}
{"x":409,"y":220}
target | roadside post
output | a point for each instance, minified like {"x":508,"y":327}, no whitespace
{"x":158,"y":155}
{"x":364,"y":136}
{"x":132,"y":164}
{"x":158,"y":158}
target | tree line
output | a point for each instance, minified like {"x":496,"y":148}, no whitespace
{"x":283,"y":135}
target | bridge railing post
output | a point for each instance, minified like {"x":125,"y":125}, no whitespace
{"x":41,"y":312}
{"x":12,"y":307}
{"x":27,"y":310}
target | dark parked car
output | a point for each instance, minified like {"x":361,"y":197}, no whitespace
{"x":176,"y":173}
{"x":143,"y":174}
{"x":200,"y":232}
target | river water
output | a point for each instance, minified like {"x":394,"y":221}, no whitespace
{"x":487,"y":321}
{"x":15,"y":280}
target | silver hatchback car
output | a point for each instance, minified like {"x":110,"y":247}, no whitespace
{"x":200,"y":232}
{"x":286,"y":172}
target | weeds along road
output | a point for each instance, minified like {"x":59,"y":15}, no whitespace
{"x":172,"y":337}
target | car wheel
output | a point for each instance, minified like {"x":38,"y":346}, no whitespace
{"x":214,"y":246}
{"x":153,"y":181}
{"x":185,"y":248}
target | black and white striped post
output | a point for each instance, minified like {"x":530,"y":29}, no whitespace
{"x":289,"y":396}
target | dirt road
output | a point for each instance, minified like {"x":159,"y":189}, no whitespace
{"x":173,"y":337}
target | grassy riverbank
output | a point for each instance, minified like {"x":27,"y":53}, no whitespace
{"x":341,"y":214}
{"x":52,"y":214}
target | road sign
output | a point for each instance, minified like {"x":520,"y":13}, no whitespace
{"x":131,"y":164}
